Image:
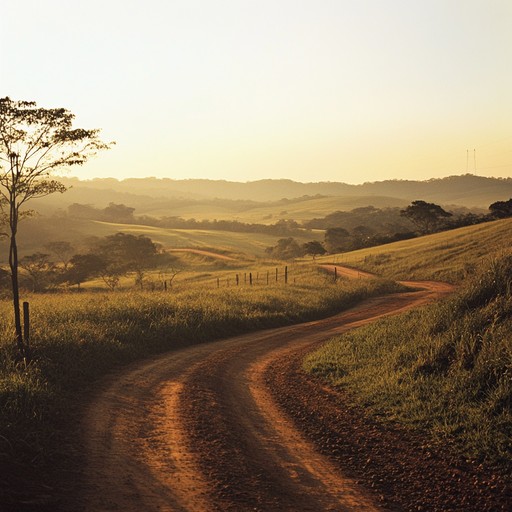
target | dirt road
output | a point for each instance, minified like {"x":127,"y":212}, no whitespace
{"x":217,"y":427}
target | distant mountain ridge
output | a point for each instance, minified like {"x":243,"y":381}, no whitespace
{"x":465,"y":190}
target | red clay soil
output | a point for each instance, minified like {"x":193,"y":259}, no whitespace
{"x":236,"y":425}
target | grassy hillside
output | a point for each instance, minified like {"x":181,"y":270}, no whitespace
{"x":445,"y":369}
{"x":312,"y":207}
{"x":449,"y":256}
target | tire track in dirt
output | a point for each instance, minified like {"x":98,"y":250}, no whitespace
{"x":199,"y":430}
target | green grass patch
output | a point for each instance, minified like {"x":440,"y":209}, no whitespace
{"x":445,"y":369}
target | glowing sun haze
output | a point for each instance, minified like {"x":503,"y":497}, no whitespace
{"x":335,"y":90}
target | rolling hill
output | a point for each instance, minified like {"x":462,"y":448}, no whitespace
{"x":256,"y":201}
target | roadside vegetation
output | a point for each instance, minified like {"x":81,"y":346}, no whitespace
{"x":445,"y":369}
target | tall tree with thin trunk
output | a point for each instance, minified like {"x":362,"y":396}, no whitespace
{"x":35,"y":142}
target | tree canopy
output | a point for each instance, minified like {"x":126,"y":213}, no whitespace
{"x":501,"y":209}
{"x":426,"y":216}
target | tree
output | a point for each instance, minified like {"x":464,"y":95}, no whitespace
{"x":118,"y":213}
{"x":84,"y":211}
{"x":337,"y":240}
{"x":169,"y":273}
{"x":63,"y":250}
{"x":362,"y":236}
{"x":426,"y":216}
{"x":286,"y":249}
{"x":314,"y":248}
{"x":39,"y":268}
{"x":501,"y":209}
{"x":82,"y":267}
{"x":35,"y":142}
{"x":128,"y":253}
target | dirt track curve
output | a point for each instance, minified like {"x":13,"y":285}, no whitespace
{"x":217,"y":427}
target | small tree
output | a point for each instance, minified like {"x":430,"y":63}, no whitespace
{"x":314,"y":248}
{"x":427,"y":216}
{"x":128,"y":253}
{"x":64,"y":251}
{"x":169,"y":273}
{"x":118,"y":213}
{"x":286,"y":249}
{"x":39,"y":268}
{"x":34,"y":143}
{"x":82,"y":267}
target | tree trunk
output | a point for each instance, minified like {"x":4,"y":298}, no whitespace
{"x":13,"y":264}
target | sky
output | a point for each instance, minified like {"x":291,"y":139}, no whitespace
{"x":321,"y":90}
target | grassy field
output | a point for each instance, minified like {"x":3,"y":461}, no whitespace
{"x":78,"y":337}
{"x":35,"y":233}
{"x":296,"y":209}
{"x":445,"y":369}
{"x":448,"y":256}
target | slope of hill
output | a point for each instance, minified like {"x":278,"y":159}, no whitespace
{"x":447,"y":256}
{"x":444,"y":369}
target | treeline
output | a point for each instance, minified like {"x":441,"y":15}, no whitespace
{"x":119,"y":213}
{"x":108,"y":258}
{"x":378,"y":227}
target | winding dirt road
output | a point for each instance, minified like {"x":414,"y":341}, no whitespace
{"x":226,"y":427}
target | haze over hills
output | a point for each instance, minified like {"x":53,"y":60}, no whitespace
{"x":148,"y":195}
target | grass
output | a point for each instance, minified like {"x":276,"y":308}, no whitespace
{"x":37,"y":232}
{"x":78,"y":337}
{"x":300,"y":209}
{"x":445,"y":369}
{"x":448,"y":256}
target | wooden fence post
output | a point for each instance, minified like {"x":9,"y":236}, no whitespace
{"x":285,"y":275}
{"x":26,"y":328}
{"x":237,"y":280}
{"x":335,"y":274}
{"x":250,"y":278}
{"x":276,"y":275}
{"x":268,"y":275}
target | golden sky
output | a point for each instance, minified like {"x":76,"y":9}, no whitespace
{"x":323,"y":90}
